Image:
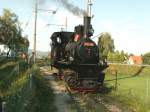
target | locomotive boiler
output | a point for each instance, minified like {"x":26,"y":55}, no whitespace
{"x":76,"y":56}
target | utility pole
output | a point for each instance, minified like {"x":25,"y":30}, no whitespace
{"x":35,"y":25}
{"x":89,"y":7}
{"x":66,"y":23}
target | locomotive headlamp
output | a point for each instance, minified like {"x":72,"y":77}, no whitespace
{"x":58,"y":40}
{"x":71,"y":58}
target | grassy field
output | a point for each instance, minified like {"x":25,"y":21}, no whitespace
{"x":133,"y":86}
{"x":20,"y":91}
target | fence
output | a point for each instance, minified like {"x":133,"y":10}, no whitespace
{"x":130,"y":81}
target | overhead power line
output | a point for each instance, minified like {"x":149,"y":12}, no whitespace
{"x":97,"y":36}
{"x":27,"y":23}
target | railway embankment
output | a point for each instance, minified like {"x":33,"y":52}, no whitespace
{"x":13,"y":84}
{"x":23,"y":89}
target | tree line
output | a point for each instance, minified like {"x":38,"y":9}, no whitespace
{"x":107,"y":51}
{"x":146,"y":58}
{"x":11,"y":32}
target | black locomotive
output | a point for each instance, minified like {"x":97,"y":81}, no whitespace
{"x":76,"y":57}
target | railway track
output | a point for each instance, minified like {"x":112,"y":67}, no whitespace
{"x":70,"y":101}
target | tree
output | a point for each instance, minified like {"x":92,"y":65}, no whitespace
{"x":9,"y":28}
{"x":22,"y":44}
{"x":110,"y":56}
{"x":11,"y":32}
{"x":146,"y":58}
{"x":105,"y":44}
{"x":117,"y":56}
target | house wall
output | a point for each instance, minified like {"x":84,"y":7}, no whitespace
{"x":130,"y":61}
{"x":3,"y":49}
{"x":135,"y":60}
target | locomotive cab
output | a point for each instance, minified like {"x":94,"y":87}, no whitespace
{"x":59,"y":41}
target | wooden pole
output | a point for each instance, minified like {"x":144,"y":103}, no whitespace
{"x":116,"y":82}
{"x":3,"y":106}
{"x":35,"y":28}
{"x":66,"y":23}
{"x":147,"y":89}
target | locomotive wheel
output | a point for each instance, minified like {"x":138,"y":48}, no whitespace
{"x":71,"y":80}
{"x":89,"y":83}
{"x":60,"y":74}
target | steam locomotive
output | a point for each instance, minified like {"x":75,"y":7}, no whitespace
{"x":76,"y":56}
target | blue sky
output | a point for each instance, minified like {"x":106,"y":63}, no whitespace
{"x":128,"y":21}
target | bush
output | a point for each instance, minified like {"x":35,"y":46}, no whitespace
{"x":146,"y":58}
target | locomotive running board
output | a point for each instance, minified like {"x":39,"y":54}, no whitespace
{"x":63,"y":62}
{"x":83,"y":89}
{"x":88,"y":64}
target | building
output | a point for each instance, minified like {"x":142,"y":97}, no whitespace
{"x":135,"y":60}
{"x":3,"y":49}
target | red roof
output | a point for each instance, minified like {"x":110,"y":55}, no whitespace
{"x":136,"y":59}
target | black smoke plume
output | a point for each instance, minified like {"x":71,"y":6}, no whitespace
{"x":73,"y":9}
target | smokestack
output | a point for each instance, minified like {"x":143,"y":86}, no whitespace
{"x":88,"y":30}
{"x":87,"y":24}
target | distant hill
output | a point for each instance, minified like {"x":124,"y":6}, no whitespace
{"x":39,"y":54}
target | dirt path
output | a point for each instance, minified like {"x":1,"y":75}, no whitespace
{"x":76,"y":102}
{"x":63,"y":100}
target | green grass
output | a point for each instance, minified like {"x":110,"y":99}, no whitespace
{"x":43,"y":97}
{"x":13,"y":84}
{"x":16,"y":89}
{"x":10,"y":71}
{"x":128,"y":69}
{"x":133,"y":90}
{"x":18,"y":96}
{"x":43,"y":62}
{"x":7,"y":71}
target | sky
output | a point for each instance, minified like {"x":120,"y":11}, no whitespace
{"x":128,"y":21}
